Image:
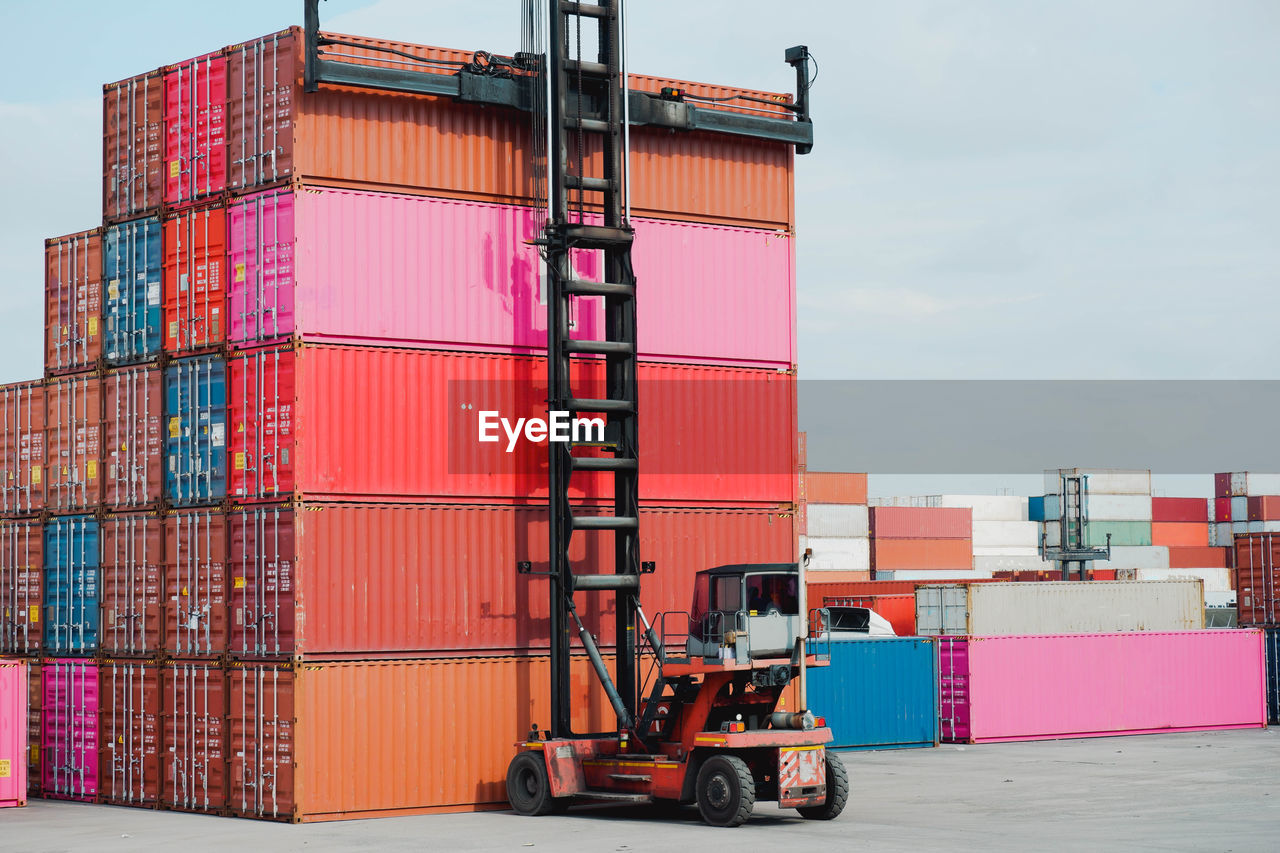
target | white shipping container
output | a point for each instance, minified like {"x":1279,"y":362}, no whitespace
{"x":990,"y":563}
{"x":1136,"y":557}
{"x":840,"y":553}
{"x":989,"y":507}
{"x":1214,"y":579}
{"x":1245,"y":483}
{"x":1005,"y":534}
{"x":1059,"y":607}
{"x":1105,"y":507}
{"x":1238,"y":527}
{"x":1102,"y":481}
{"x":1239,"y":509}
{"x":926,"y":575}
{"x":1220,"y":535}
{"x":838,"y":520}
{"x":1264,"y":527}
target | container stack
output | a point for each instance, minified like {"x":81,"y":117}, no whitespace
{"x":1244,"y":503}
{"x":247,"y":513}
{"x":912,"y":543}
{"x":837,"y":526}
{"x":1257,"y":560}
{"x":1183,"y":527}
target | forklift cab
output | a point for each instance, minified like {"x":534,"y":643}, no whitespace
{"x":746,"y":611}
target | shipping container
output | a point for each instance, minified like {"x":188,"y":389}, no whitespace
{"x":1222,"y":485}
{"x":130,"y":732}
{"x":193,"y":726}
{"x":13,"y":732}
{"x":1199,"y":558}
{"x":1180,"y":534}
{"x":1138,"y":557}
{"x":838,"y":520}
{"x":1271,"y":640}
{"x":1214,"y":580}
{"x":194,"y":271}
{"x":1239,"y":509}
{"x":339,"y":421}
{"x":878,"y":693}
{"x":195,"y":141}
{"x":195,"y":401}
{"x":914,"y":554}
{"x":839,"y":553}
{"x":133,"y":438}
{"x":1257,"y":581}
{"x":290,"y":727}
{"x":820,"y":587}
{"x":73,"y":301}
{"x":359,"y":138}
{"x":22,"y":448}
{"x":905,"y":522}
{"x":21,"y":573}
{"x":1129,"y":534}
{"x":1006,"y":534}
{"x":69,"y":729}
{"x":900,"y":610}
{"x":132,"y":146}
{"x":1020,"y":561}
{"x":989,"y":507}
{"x":1106,"y":508}
{"x":1037,"y":508}
{"x":73,"y":442}
{"x":470,"y":278}
{"x":35,"y":704}
{"x":1059,"y":607}
{"x":132,"y":559}
{"x":133,"y":311}
{"x":334,"y":579}
{"x":195,"y":579}
{"x":832,"y":487}
{"x":1102,"y":481}
{"x":71,"y":598}
{"x":1091,"y":685}
{"x":1264,"y":507}
{"x":1180,"y":510}
{"x":1246,"y":483}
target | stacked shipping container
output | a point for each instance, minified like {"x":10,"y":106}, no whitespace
{"x":921,"y":539}
{"x":838,"y":529}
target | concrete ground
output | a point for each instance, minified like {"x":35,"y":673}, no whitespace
{"x":1216,"y":791}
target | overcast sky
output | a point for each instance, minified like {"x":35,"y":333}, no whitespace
{"x":998,"y":189}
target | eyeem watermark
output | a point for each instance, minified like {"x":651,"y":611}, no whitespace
{"x":559,"y":426}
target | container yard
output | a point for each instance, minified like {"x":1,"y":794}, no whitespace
{"x":290,"y":533}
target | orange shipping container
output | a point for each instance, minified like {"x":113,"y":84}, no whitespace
{"x":195,"y":583}
{"x":195,"y":256}
{"x":830,"y":487}
{"x":132,"y":146}
{"x":131,"y":560}
{"x":410,"y":736}
{"x":73,"y":441}
{"x":73,"y":301}
{"x":942,"y":554}
{"x":1203,"y":557}
{"x":1180,"y":533}
{"x":133,"y":442}
{"x":438,"y":146}
{"x":22,"y":453}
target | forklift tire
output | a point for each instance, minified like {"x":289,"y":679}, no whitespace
{"x":837,"y":792}
{"x":528,"y":788}
{"x":726,"y":791}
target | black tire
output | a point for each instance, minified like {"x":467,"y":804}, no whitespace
{"x":726,"y":791}
{"x":528,"y":788}
{"x":837,"y":792}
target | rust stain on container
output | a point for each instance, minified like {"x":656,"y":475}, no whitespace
{"x":193,"y":722}
{"x":131,"y":594}
{"x":22,"y":448}
{"x":73,"y":441}
{"x":195,"y":598}
{"x":132,"y":146}
{"x":130,"y":767}
{"x":21,"y":563}
{"x":133,"y":440}
{"x":73,"y":301}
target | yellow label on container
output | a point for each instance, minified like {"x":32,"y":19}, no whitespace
{"x":35,"y":753}
{"x":175,"y":427}
{"x":184,"y":590}
{"x":113,"y":289}
{"x":35,"y":475}
{"x":33,"y":613}
{"x":93,"y":326}
{"x":175,"y":168}
{"x":91,"y":470}
{"x":239,"y":583}
{"x":239,"y":460}
{"x":239,"y":272}
{"x":4,"y":768}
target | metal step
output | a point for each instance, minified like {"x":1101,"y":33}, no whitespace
{"x":580,"y":404}
{"x":614,"y":796}
{"x":630,"y":777}
{"x":606,"y":582}
{"x":605,"y":522}
{"x":600,"y":347}
{"x":579,"y":287}
{"x":603,"y":463}
{"x":598,"y":236}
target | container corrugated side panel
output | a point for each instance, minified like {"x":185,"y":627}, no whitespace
{"x":908,"y":522}
{"x":878,"y":693}
{"x":130,"y":728}
{"x":195,"y":142}
{"x":1257,"y":581}
{"x":195,"y":437}
{"x":133,"y":454}
{"x":69,"y":729}
{"x":193,"y":724}
{"x":340,"y":579}
{"x":132,"y":559}
{"x":1029,"y":688}
{"x":194,"y":278}
{"x":73,"y":301}
{"x":831,"y":487}
{"x":195,"y":583}
{"x":842,"y":520}
{"x":21,"y":582}
{"x":13,"y":732}
{"x":71,"y":590}
{"x":22,"y":448}
{"x":132,"y":312}
{"x":1180,"y":510}
{"x":73,"y":442}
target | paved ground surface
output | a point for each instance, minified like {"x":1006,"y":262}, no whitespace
{"x":1216,"y":791}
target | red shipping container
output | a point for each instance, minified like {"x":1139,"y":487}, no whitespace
{"x":1257,"y":581}
{"x":73,"y":442}
{"x":130,"y":729}
{"x":899,"y":610}
{"x":1180,"y":533}
{"x":22,"y":448}
{"x":943,"y":554}
{"x":1222,"y":509}
{"x":819,"y":590}
{"x":21,"y":568}
{"x":131,"y":594}
{"x":195,"y":141}
{"x":1180,"y":510}
{"x":193,"y":725}
{"x":1222,"y":485}
{"x":73,"y":301}
{"x":195,"y":583}
{"x":1264,"y":507}
{"x":337,"y":579}
{"x":1199,"y":557}
{"x":829,"y":487}
{"x":910,"y":522}
{"x":133,"y":401}
{"x":195,"y":256}
{"x":132,"y":146}
{"x":341,"y":421}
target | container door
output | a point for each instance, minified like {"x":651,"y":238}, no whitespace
{"x":132,"y":314}
{"x":132,"y":564}
{"x":261,"y":387}
{"x":193,"y":721}
{"x":74,"y":442}
{"x":71,"y":585}
{"x":194,"y":285}
{"x":261,"y":98}
{"x":262,"y":741}
{"x":262,"y":592}
{"x":195,"y":132}
{"x":196,"y":583}
{"x":133,"y":454}
{"x":260,"y":259}
{"x":22,"y":443}
{"x":133,"y":145}
{"x":73,"y":301}
{"x":69,"y":729}
{"x":195,"y":441}
{"x":21,"y":582}
{"x":131,"y":732}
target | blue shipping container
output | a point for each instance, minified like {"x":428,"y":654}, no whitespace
{"x":71,"y":585}
{"x":879,"y":693}
{"x":1035,"y":508}
{"x":1271,"y":642}
{"x":131,"y":311}
{"x":195,"y":398}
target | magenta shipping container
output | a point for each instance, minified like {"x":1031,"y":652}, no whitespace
{"x":1094,"y":685}
{"x":69,"y":728}
{"x":13,"y":733}
{"x":373,"y":268}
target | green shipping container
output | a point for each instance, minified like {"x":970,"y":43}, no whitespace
{"x":1122,"y":533}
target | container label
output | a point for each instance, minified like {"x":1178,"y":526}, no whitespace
{"x":35,"y":753}
{"x":113,"y":289}
{"x":239,"y":583}
{"x":35,"y":475}
{"x":91,"y":469}
{"x":218,"y":434}
{"x":153,"y":293}
{"x":4,"y":768}
{"x":175,"y":427}
{"x":33,"y":613}
{"x":239,"y":272}
{"x":93,"y":326}
{"x":239,"y":460}
{"x":175,"y":167}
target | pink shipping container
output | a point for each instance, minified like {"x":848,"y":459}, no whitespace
{"x":1094,"y":685}
{"x":909,"y":522}
{"x":375,"y":268}
{"x":13,"y":733}
{"x":386,"y":424}
{"x":69,"y":728}
{"x":195,"y":139}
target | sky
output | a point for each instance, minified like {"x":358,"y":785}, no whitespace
{"x":998,"y":190}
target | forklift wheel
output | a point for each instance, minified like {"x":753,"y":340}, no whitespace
{"x":528,"y":789}
{"x":726,"y":791}
{"x":837,"y":792}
